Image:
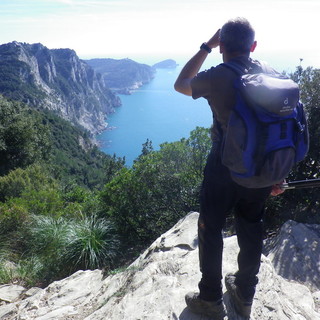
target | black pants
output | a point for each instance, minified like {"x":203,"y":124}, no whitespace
{"x":219,"y":195}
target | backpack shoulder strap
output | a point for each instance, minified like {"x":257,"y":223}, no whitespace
{"x":240,"y":70}
{"x":265,"y":67}
{"x":255,"y":67}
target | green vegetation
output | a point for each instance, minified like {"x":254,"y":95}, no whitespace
{"x":49,"y":176}
{"x":161,"y":187}
{"x":302,"y":205}
{"x":11,"y":72}
{"x":74,"y":157}
{"x":66,"y":206}
{"x":23,"y":138}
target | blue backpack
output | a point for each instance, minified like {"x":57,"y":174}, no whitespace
{"x":267,"y":132}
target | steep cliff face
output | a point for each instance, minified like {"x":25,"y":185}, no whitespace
{"x":57,"y":80}
{"x":122,"y":75}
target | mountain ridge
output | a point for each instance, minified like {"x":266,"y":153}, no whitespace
{"x":124,"y":75}
{"x":83,"y":92}
{"x":58,"y":80}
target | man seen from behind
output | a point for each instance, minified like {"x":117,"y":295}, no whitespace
{"x":219,"y":193}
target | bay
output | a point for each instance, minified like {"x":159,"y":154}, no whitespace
{"x":155,"y":112}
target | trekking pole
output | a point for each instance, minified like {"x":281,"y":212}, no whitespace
{"x":311,"y":183}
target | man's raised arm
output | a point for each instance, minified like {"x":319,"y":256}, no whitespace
{"x":191,"y":69}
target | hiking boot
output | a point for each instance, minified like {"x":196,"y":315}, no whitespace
{"x":212,"y":309}
{"x":242,"y":306}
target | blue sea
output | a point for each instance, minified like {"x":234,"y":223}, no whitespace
{"x":155,"y":112}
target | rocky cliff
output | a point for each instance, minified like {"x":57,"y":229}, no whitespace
{"x":124,"y":75}
{"x":153,"y":287}
{"x":57,"y":80}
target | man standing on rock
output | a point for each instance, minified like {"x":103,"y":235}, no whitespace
{"x":219,"y":193}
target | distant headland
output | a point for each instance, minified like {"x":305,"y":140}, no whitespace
{"x":165,"y":64}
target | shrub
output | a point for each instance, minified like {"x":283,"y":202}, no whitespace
{"x":91,"y":243}
{"x":34,"y":177}
{"x":12,"y":217}
{"x":64,"y":246}
{"x":26,"y":272}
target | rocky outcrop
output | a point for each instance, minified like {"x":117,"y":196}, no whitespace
{"x":124,"y":75}
{"x":296,"y":253}
{"x":153,"y":287}
{"x":57,"y":80}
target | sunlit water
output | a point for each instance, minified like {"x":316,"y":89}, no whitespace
{"x":155,"y":112}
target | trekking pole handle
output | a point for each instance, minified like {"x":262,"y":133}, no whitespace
{"x":310,"y":183}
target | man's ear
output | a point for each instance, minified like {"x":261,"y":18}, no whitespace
{"x":221,"y":47}
{"x":253,"y":47}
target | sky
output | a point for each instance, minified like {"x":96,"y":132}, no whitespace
{"x":151,"y":30}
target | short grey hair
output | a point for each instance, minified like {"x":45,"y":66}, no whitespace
{"x":237,"y":35}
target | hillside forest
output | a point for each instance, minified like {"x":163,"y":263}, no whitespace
{"x":65,"y":205}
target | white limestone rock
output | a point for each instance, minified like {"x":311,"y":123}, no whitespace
{"x":296,"y":253}
{"x":153,"y":287}
{"x":10,"y":293}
